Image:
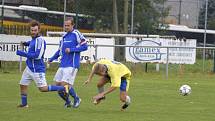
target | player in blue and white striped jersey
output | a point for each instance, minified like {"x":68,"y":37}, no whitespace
{"x":35,"y":69}
{"x":71,"y":45}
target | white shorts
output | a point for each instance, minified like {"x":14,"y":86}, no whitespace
{"x":28,"y":76}
{"x":67,"y":75}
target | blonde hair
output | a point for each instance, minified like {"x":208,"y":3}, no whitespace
{"x":97,"y":68}
{"x":70,"y":19}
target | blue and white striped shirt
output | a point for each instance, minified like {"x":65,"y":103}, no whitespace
{"x":77,"y":43}
{"x":35,"y":54}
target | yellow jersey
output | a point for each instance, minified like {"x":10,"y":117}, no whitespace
{"x":116,"y":71}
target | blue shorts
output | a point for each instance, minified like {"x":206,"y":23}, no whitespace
{"x":123,"y":85}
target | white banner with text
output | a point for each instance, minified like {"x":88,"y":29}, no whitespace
{"x":9,"y":45}
{"x":156,"y":54}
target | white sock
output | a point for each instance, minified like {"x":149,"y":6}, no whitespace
{"x":127,"y":100}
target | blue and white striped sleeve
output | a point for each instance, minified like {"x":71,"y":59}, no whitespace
{"x":80,"y":38}
{"x":40,"y":46}
{"x":58,"y":52}
{"x":82,"y":43}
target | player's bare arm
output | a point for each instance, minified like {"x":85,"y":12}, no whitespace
{"x":90,"y":76}
{"x":100,"y":95}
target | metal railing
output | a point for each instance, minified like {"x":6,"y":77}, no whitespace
{"x":50,"y":33}
{"x":100,"y":45}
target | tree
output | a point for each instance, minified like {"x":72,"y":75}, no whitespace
{"x":125,"y":18}
{"x":115,"y":17}
{"x":210,"y":16}
{"x":147,"y":13}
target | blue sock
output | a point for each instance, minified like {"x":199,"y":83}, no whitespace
{"x":24,"y":99}
{"x":55,"y":88}
{"x":72,"y":92}
{"x":64,"y":96}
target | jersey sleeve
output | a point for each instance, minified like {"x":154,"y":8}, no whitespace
{"x":27,"y":43}
{"x":39,"y":49}
{"x":80,"y":37}
{"x":82,"y":43}
{"x":57,"y":53}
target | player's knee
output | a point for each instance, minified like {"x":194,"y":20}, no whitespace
{"x":43,"y":89}
{"x":123,"y":98}
{"x":58,"y":83}
{"x":99,"y":85}
{"x":60,"y":92}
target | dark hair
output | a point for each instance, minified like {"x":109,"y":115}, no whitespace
{"x":34,"y":23}
{"x":70,"y":19}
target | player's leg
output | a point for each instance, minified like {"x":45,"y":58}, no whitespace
{"x":41,"y":83}
{"x":100,"y":85}
{"x":59,"y":77}
{"x":24,"y":82}
{"x":23,"y":93}
{"x":123,"y":94}
{"x":64,"y":95}
{"x":125,"y":99}
{"x":77,"y":99}
{"x":102,"y":81}
{"x":69,"y":75}
{"x":48,"y":88}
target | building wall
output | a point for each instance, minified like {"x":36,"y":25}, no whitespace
{"x":186,"y":14}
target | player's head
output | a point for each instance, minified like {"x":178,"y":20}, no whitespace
{"x":68,"y":24}
{"x":34,"y":28}
{"x":100,"y":69}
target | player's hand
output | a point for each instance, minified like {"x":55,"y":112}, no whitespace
{"x":67,"y":50}
{"x":21,"y":53}
{"x":18,"y":52}
{"x":86,"y":82}
{"x":100,"y":95}
{"x":48,"y":62}
{"x":22,"y":43}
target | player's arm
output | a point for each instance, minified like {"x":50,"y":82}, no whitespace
{"x":27,"y":43}
{"x":82,"y":47}
{"x":115,"y":83}
{"x":90,"y":76}
{"x":55,"y":56}
{"x":100,"y":95}
{"x":109,"y":90}
{"x":82,"y":43}
{"x":34,"y":55}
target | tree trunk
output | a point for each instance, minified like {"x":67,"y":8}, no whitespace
{"x":117,"y":53}
{"x":115,"y":18}
{"x":125,"y":21}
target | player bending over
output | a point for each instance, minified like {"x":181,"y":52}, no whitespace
{"x":111,"y":72}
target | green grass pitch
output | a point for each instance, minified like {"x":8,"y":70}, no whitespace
{"x":154,"y":98}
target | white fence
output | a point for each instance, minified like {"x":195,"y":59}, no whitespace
{"x":138,"y":49}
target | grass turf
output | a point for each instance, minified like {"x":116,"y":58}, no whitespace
{"x":154,"y":98}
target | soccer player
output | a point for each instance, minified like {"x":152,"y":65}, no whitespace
{"x":35,"y":69}
{"x":112,"y":72}
{"x":70,"y":48}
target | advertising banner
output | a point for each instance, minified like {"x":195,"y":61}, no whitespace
{"x":10,"y":43}
{"x":155,"y":53}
